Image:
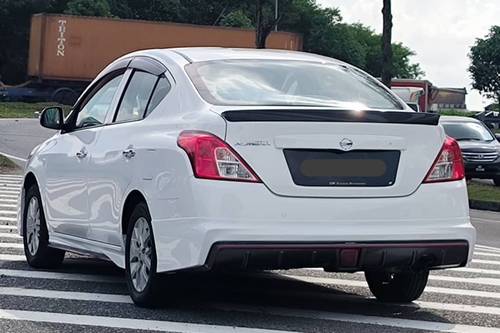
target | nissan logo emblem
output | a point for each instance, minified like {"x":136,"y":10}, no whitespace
{"x":346,"y":144}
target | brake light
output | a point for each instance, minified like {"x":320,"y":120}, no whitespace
{"x":212,"y":158}
{"x":449,"y":165}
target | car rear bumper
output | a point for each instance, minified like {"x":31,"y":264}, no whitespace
{"x":338,"y":257}
{"x":187,"y":229}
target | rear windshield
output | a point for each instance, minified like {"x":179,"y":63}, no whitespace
{"x":468,"y":131}
{"x":288,"y":83}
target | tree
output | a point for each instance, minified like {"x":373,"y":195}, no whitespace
{"x":89,"y":8}
{"x":386,"y":44}
{"x":485,"y":64}
{"x":238,"y":19}
{"x":264,"y":22}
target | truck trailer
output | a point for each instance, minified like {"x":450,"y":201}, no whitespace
{"x":66,"y":52}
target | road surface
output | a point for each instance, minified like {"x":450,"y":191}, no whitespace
{"x":89,"y":295}
{"x":19,"y":136}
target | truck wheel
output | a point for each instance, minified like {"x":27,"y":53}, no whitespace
{"x":65,"y":96}
{"x":36,"y":236}
{"x":496,"y":180}
{"x":140,"y":256}
{"x":400,"y":287}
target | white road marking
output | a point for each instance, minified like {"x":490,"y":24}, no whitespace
{"x":60,"y":276}
{"x":70,"y":295}
{"x":8,"y":212}
{"x":11,"y":246}
{"x":8,"y":201}
{"x":361,"y":319}
{"x":484,"y":247}
{"x":486,"y":262}
{"x":12,"y":257}
{"x":483,"y":281}
{"x":10,"y":181}
{"x":14,"y":157}
{"x":357,"y":283}
{"x":4,"y":228}
{"x":475,"y":270}
{"x":486,"y":254}
{"x":9,"y":196}
{"x":8,"y":219}
{"x":8,"y":235}
{"x":125,"y":323}
{"x":118,"y":298}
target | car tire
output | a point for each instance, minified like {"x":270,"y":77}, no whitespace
{"x":496,"y":180}
{"x":35,"y":233}
{"x":143,"y":282}
{"x":402,"y":287}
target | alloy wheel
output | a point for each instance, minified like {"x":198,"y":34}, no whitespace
{"x":33,"y":226}
{"x":140,"y":254}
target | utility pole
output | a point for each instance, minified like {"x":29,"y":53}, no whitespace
{"x":387,"y":44}
{"x":276,"y":15}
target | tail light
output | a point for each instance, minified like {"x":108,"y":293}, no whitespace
{"x":212,"y":158}
{"x":449,"y":165}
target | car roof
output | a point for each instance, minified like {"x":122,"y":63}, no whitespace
{"x":198,"y":54}
{"x":457,"y":119}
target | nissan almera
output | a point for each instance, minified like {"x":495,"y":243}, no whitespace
{"x":240,"y":159}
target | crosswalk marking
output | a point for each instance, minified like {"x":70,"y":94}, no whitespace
{"x":121,"y":298}
{"x":361,"y":319}
{"x":11,"y":245}
{"x":359,"y":283}
{"x":60,"y":276}
{"x":486,"y":254}
{"x":484,"y":274}
{"x":125,"y":323}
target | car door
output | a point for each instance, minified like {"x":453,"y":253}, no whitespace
{"x":115,"y":153}
{"x":66,"y":159}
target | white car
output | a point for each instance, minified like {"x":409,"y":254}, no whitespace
{"x":213,"y":158}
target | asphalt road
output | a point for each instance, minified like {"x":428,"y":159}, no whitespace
{"x":89,"y":295}
{"x":19,"y":136}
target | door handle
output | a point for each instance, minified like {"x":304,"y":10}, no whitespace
{"x":128,"y":153}
{"x":82,"y":153}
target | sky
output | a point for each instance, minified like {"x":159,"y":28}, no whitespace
{"x":441,"y":32}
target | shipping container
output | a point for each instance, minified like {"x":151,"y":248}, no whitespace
{"x":76,"y":48}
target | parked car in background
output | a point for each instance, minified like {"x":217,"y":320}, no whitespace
{"x":240,"y":159}
{"x":480,"y":147}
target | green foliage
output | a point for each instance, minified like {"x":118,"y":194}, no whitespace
{"x":485,"y":64}
{"x":483,"y":192}
{"x":238,"y":19}
{"x":322,"y":28}
{"x":99,"y":8}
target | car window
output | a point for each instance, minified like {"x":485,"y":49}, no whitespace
{"x":289,"y":83}
{"x":97,"y":107}
{"x":136,"y":97}
{"x":161,"y":90}
{"x":467,"y":131}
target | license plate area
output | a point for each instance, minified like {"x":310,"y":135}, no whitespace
{"x":361,"y":168}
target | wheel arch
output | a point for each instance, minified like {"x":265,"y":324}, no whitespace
{"x":133,"y":198}
{"x":29,"y":180}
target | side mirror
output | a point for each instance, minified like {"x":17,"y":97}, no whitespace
{"x":498,"y":136}
{"x":52,"y":117}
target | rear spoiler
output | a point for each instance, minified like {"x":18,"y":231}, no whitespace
{"x":350,"y":116}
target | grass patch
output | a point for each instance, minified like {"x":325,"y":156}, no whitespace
{"x":7,"y":166}
{"x":453,"y":112}
{"x":483,"y":192}
{"x":25,"y":110}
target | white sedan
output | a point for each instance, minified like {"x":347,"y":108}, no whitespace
{"x":213,"y":158}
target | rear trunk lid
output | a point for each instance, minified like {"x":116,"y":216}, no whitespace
{"x":336,"y":153}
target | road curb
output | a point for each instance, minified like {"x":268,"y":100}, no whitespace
{"x":484,"y":205}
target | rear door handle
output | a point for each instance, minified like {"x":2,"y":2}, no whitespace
{"x":129,"y":153}
{"x":82,"y":153}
